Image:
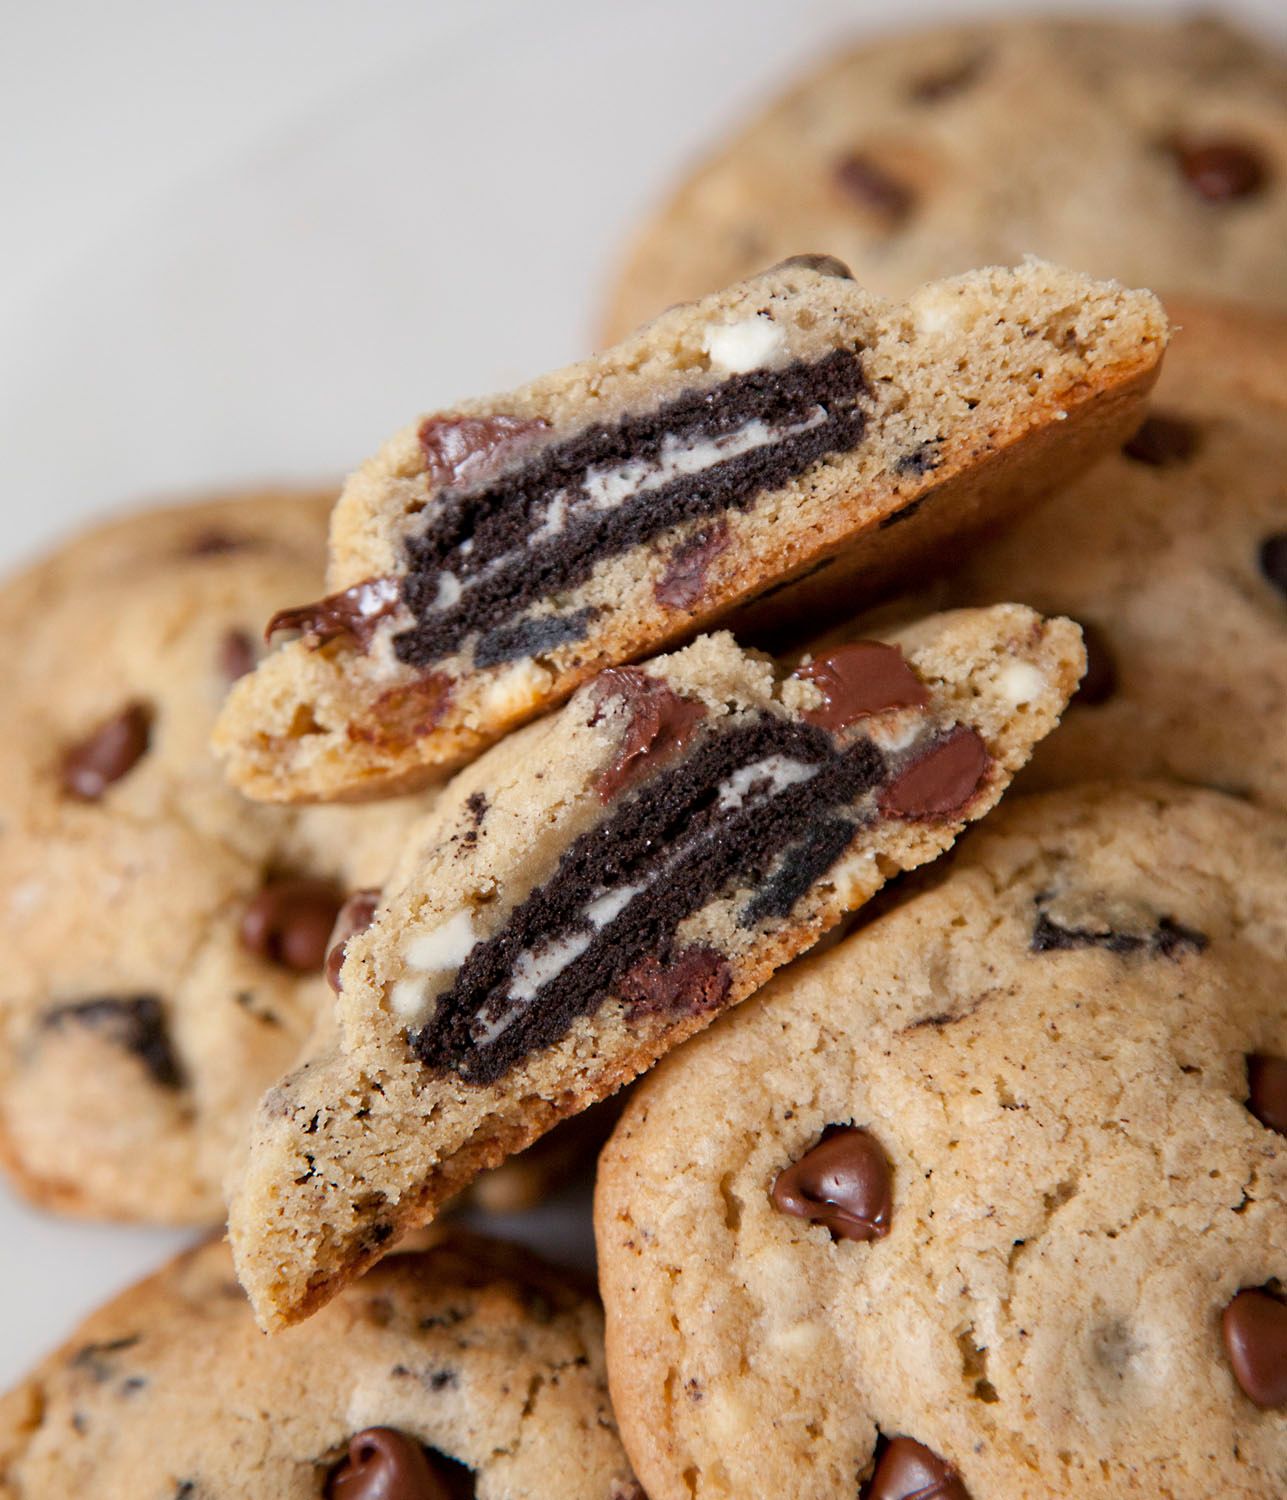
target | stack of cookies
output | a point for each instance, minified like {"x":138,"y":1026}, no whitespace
{"x":383,"y":837}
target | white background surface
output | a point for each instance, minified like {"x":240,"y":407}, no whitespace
{"x":247,"y":240}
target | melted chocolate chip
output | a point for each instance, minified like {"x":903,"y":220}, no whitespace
{"x":110,"y":752}
{"x":1255,"y":1337}
{"x":355,"y":916}
{"x":384,"y":1464}
{"x":684,"y":580}
{"x":135,"y":1023}
{"x":842,"y":1183}
{"x":1273,"y":560}
{"x":1221,"y":171}
{"x":402,"y":714}
{"x":866,"y":181}
{"x":863,"y":678}
{"x":236,"y":655}
{"x":825,"y":265}
{"x":290,"y":922}
{"x":939,"y":782}
{"x":1168,"y":939}
{"x":1099,"y":682}
{"x":661,"y":724}
{"x":463,"y":449}
{"x":1162,"y":441}
{"x":696,"y":980}
{"x":908,"y":1470}
{"x":1267,"y":1090}
{"x":354,"y":612}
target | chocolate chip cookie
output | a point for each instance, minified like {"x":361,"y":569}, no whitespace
{"x":1150,"y":150}
{"x":601,"y":885}
{"x":164,"y":938}
{"x":464,"y":1369}
{"x":491,"y":558}
{"x":1173,"y":556}
{"x":991,"y":1199}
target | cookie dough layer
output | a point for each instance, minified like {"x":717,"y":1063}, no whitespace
{"x":1154,"y":151}
{"x":790,"y":428}
{"x":468,"y":1363}
{"x":1068,"y":1171}
{"x":599,"y":887}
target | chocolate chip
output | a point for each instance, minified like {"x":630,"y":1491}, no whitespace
{"x":135,"y":1023}
{"x":468,"y":448}
{"x":1255,"y":1337}
{"x":843,"y":1183}
{"x":661,"y":724}
{"x":99,"y":1360}
{"x":930,"y":88}
{"x":1273,"y":560}
{"x":1267,"y":1090}
{"x":290,"y":922}
{"x":872,"y":186}
{"x":696,"y":980}
{"x":213,"y":543}
{"x":908,"y":1470}
{"x":384,"y":1464}
{"x":684,"y":580}
{"x":1169,"y":938}
{"x":1100,"y":680}
{"x":110,"y":752}
{"x":236,"y":655}
{"x":404,"y":713}
{"x":1162,"y":441}
{"x":940,"y":781}
{"x":825,"y":265}
{"x":354,"y":612}
{"x":863,"y":678}
{"x":1221,"y":171}
{"x":355,"y":916}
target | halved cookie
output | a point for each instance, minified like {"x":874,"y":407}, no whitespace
{"x":602,"y":885}
{"x":491,"y":558}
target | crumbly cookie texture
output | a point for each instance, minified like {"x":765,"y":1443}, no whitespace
{"x":790,"y":429}
{"x":466,"y":1359}
{"x":986,"y":1178}
{"x":164,"y":937}
{"x":1152,"y":150}
{"x":1173,"y":556}
{"x":601,"y":885}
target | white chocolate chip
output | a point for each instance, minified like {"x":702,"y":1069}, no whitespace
{"x":1019,"y":682}
{"x":443,"y":947}
{"x":746,"y":345}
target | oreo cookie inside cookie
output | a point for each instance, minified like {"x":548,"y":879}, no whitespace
{"x":496,"y":547}
{"x":697,"y":810}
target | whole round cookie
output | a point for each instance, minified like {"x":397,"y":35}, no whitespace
{"x":1172,"y":555}
{"x":164,"y":939}
{"x":464,"y":1369}
{"x":1151,"y":150}
{"x":991,"y":1199}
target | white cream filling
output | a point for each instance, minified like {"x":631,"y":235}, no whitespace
{"x":744,"y":345}
{"x":437,"y":953}
{"x":605,"y":489}
{"x":780,"y":771}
